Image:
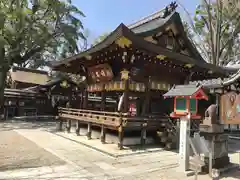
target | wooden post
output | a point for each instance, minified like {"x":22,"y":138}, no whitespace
{"x":60,"y":124}
{"x":89,"y":131}
{"x":78,"y":128}
{"x":85,"y":100}
{"x":143,"y":134}
{"x":146,"y":105}
{"x":103,"y":102}
{"x":69,"y":124}
{"x":103,"y":134}
{"x":126,"y":97}
{"x":120,"y":137}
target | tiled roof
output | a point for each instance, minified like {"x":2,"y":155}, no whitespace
{"x":182,"y":90}
{"x":25,"y":75}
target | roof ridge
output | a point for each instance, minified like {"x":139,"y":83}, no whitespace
{"x":155,"y":15}
{"x":36,"y":71}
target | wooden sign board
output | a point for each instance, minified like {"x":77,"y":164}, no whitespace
{"x":230,"y":108}
{"x":100,"y":73}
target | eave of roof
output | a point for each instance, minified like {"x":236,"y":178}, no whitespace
{"x":139,"y":42}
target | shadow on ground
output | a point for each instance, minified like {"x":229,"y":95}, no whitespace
{"x":17,"y":152}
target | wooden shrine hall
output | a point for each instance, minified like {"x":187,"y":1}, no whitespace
{"x":136,"y":65}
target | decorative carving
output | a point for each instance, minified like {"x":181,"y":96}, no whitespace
{"x":230,"y":108}
{"x":64,"y":84}
{"x":188,"y":65}
{"x":88,"y":57}
{"x":125,"y":74}
{"x":169,"y":9}
{"x":211,"y":115}
{"x":123,"y":42}
{"x":161,"y":57}
{"x":101,"y":72}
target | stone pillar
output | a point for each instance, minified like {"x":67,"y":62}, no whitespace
{"x":89,"y":131}
{"x":218,"y":144}
{"x":78,"y":124}
{"x":184,"y":144}
{"x":143,"y":134}
{"x":103,"y":134}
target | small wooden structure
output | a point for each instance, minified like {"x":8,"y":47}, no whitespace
{"x":186,"y":100}
{"x":226,"y":91}
{"x":25,"y":103}
{"x":20,"y":78}
{"x":136,"y":65}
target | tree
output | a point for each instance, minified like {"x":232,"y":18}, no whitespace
{"x":100,"y":39}
{"x":32,"y":32}
{"x":215,"y":31}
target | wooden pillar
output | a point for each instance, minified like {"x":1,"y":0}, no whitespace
{"x":103,"y":134}
{"x":146,"y":105}
{"x":81,"y":100}
{"x":103,"y":102}
{"x":143,"y":134}
{"x":120,"y":137}
{"x":89,"y":131}
{"x":126,"y":97}
{"x":218,"y":106}
{"x":85,"y":100}
{"x":78,"y":124}
{"x":60,"y":125}
{"x":69,"y":124}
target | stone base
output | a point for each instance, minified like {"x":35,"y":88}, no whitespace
{"x":213,"y":128}
{"x":217,"y":163}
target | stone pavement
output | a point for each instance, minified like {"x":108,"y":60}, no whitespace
{"x":85,"y":163}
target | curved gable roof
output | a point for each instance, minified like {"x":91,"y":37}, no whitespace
{"x":124,"y":31}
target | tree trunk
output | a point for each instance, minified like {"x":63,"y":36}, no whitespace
{"x":3,"y":76}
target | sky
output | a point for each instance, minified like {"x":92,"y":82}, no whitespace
{"x":105,"y":15}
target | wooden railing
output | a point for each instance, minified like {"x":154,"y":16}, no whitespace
{"x":98,"y":117}
{"x":106,"y":118}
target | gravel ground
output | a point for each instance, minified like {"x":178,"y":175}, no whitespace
{"x":18,"y":152}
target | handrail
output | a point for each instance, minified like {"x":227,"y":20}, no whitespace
{"x":108,"y":115}
{"x":93,"y":111}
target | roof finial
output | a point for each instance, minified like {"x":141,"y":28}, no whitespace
{"x":170,"y":8}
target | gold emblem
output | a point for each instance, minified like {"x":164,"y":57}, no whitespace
{"x":123,"y":42}
{"x":161,"y":57}
{"x":64,"y":84}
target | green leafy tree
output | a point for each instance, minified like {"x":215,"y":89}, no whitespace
{"x":100,"y":39}
{"x":215,"y":30}
{"x":32,"y":32}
